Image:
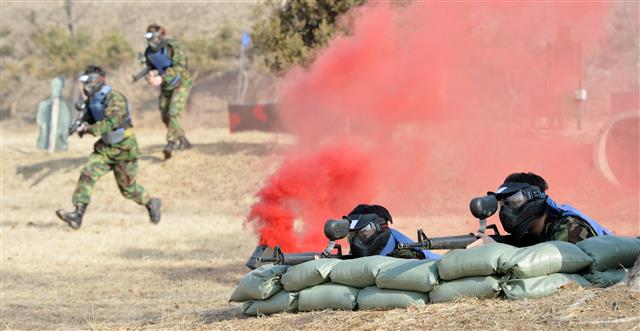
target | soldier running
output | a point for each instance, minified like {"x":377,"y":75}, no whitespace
{"x":168,"y":63}
{"x":106,"y":114}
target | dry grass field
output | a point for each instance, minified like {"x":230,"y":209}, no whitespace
{"x":120,"y":272}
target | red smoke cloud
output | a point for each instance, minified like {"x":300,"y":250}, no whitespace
{"x":428,"y":104}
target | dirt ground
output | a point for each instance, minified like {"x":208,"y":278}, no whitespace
{"x":120,"y":272}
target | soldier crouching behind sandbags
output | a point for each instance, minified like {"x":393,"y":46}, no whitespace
{"x":370,"y":234}
{"x":106,"y":114}
{"x":532,"y":217}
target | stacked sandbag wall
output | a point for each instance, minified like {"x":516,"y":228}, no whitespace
{"x":381,"y":282}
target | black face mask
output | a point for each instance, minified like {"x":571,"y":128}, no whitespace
{"x":361,"y":247}
{"x":517,"y":222}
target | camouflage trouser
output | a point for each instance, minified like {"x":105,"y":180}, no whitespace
{"x":125,"y":170}
{"x":172,"y":103}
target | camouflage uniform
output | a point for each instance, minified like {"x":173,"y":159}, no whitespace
{"x":570,"y":228}
{"x":122,"y":157}
{"x":173,"y":98}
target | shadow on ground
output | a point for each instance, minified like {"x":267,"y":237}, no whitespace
{"x":49,"y":167}
{"x":221,"y":149}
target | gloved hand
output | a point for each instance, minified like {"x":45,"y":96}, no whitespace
{"x":83,"y":128}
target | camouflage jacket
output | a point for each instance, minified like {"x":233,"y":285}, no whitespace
{"x":115,"y":114}
{"x":179,"y":66}
{"x":570,"y":228}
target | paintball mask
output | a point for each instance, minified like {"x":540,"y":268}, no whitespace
{"x":520,"y":205}
{"x":368,"y":234}
{"x":92,"y":82}
{"x":154,"y":39}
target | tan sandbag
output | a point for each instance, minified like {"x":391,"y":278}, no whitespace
{"x":478,"y":261}
{"x":410,"y":275}
{"x":307,"y":274}
{"x":328,"y":296}
{"x":281,"y":302}
{"x":483,"y":287}
{"x":359,"y":272}
{"x":540,"y":287}
{"x":545,"y":259}
{"x":611,"y":252}
{"x":606,"y":278}
{"x":259,"y":284}
{"x":370,"y":298}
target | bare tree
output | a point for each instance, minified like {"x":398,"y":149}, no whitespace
{"x":71,"y":24}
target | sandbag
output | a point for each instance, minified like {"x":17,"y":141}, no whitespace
{"x":544,"y":259}
{"x":611,"y":252}
{"x":259,"y":284}
{"x":359,"y":272}
{"x":606,"y":278}
{"x":540,"y":287}
{"x":478,"y":261}
{"x":283,"y":301}
{"x":307,"y":274}
{"x":476,"y":287}
{"x":410,"y":275}
{"x":328,"y":296}
{"x":370,"y":298}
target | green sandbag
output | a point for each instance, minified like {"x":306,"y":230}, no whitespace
{"x":328,"y":296}
{"x":478,"y":261}
{"x":606,"y":278}
{"x":540,"y":287}
{"x":410,"y":275}
{"x":359,"y":272}
{"x":476,"y":287}
{"x":283,"y":301}
{"x":370,"y":298}
{"x":611,"y":252}
{"x":259,"y":284}
{"x":545,"y":259}
{"x":307,"y":274}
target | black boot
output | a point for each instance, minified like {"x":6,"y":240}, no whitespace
{"x":184,"y":143}
{"x":153,"y":207}
{"x":74,"y":218}
{"x":168,"y":149}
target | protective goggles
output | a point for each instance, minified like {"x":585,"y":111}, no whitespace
{"x":151,"y":35}
{"x":87,"y":78}
{"x":518,"y":199}
{"x":366,"y":232}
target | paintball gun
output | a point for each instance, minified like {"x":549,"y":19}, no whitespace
{"x":78,"y":123}
{"x":480,"y":207}
{"x":145,"y":70}
{"x":333,"y":230}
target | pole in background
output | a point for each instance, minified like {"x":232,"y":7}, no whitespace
{"x":246,"y":40}
{"x":53,"y":127}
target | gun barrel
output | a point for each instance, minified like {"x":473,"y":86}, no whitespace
{"x":450,"y":242}
{"x":140,"y":74}
{"x":290,"y":259}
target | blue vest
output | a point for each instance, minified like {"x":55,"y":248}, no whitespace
{"x":397,"y":237}
{"x":560,"y":211}
{"x":159,"y":59}
{"x":96,"y":103}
